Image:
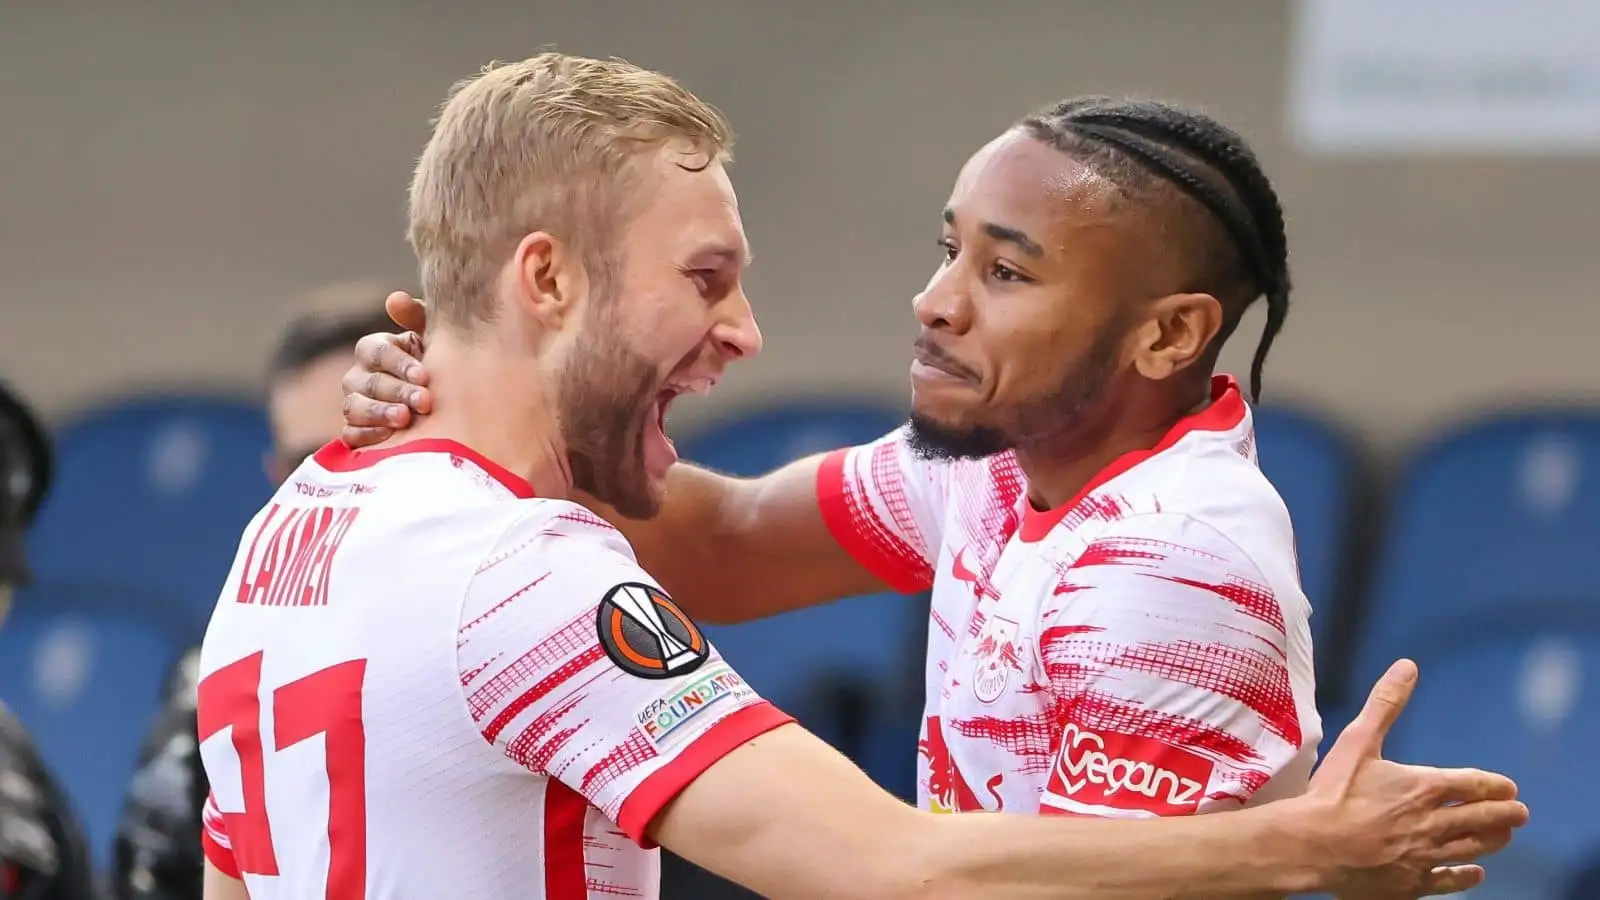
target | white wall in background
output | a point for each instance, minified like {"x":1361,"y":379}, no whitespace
{"x":1446,"y":76}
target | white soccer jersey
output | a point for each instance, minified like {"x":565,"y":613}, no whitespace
{"x":1142,"y":650}
{"x":420,"y":682}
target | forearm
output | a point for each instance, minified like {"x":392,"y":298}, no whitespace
{"x":992,"y":856}
{"x":1232,"y":856}
{"x":824,"y":830}
{"x":735,"y":549}
{"x":701,"y":518}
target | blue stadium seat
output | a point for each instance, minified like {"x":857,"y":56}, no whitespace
{"x":1317,"y":472}
{"x":1585,"y":882}
{"x":83,"y":671}
{"x":1518,"y":698}
{"x":889,"y":753}
{"x":1502,"y":518}
{"x":154,"y":494}
{"x":875,"y":640}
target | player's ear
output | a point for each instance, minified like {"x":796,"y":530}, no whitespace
{"x":1176,"y":332}
{"x":550,"y":278}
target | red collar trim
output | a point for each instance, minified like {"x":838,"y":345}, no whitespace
{"x":1224,"y":413}
{"x":338,"y":456}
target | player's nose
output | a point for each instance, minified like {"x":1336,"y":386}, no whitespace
{"x":736,"y":332}
{"x":943,"y":305}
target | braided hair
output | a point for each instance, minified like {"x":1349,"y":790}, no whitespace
{"x":1139,"y":145}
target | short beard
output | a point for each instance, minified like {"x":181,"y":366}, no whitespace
{"x":603,"y":394}
{"x":1031,"y":421}
{"x":933,"y":440}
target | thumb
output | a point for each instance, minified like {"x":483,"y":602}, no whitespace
{"x":407,"y":311}
{"x":1363,"y":739}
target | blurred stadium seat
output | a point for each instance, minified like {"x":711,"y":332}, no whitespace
{"x":153,"y":494}
{"x":83,"y":670}
{"x":889,"y":753}
{"x":1585,"y":883}
{"x":1500,"y":520}
{"x":1519,"y":698}
{"x":804,"y":661}
{"x":1320,"y":475}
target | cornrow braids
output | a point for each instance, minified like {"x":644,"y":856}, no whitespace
{"x":1129,"y":141}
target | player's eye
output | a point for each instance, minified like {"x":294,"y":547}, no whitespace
{"x":1003,"y":272}
{"x":951,"y":251}
{"x":704,"y":279}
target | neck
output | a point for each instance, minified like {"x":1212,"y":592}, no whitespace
{"x":497,"y":400}
{"x":1060,"y":466}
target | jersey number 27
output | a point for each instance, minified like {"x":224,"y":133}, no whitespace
{"x":326,"y":702}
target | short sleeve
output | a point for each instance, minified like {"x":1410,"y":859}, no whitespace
{"x":886,"y":507}
{"x":578,"y":666}
{"x":214,"y":839}
{"x":1180,"y":688}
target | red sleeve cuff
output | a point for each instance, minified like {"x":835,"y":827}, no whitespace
{"x":656,"y":791}
{"x":220,"y":856}
{"x":845,"y":524}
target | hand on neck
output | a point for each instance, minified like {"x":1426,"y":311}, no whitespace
{"x":500,"y":402}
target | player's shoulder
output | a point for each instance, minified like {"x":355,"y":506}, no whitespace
{"x":566,"y":529}
{"x":1229,"y":498}
{"x":1210,"y":486}
{"x":1174,"y":570}
{"x":545,"y":581}
{"x":1208,"y":538}
{"x":559,"y":545}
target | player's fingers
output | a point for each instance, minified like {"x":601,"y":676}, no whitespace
{"x":1363,"y":738}
{"x":1451,"y":880}
{"x":361,"y":411}
{"x":369,"y":392}
{"x":364,"y":437}
{"x":1478,"y":818}
{"x":391,"y":354}
{"x":1385,"y":703}
{"x":1472,"y":846}
{"x":1472,"y":785}
{"x":411,"y":343}
{"x":407,"y":311}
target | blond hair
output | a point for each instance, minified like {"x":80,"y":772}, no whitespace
{"x":546,"y":144}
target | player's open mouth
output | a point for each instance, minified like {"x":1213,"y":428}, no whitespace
{"x":659,"y":451}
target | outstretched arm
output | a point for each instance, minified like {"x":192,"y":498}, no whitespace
{"x":735,"y":786}
{"x":1367,"y":828}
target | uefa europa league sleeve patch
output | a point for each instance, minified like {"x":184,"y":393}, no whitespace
{"x":647,"y":635}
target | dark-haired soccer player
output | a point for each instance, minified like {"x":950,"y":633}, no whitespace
{"x":1117,"y":626}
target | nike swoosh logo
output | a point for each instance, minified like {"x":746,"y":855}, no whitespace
{"x":960,"y":570}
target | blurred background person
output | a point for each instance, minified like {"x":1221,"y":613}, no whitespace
{"x":42,"y":854}
{"x":1431,"y":421}
{"x":156,"y":855}
{"x":312,"y":354}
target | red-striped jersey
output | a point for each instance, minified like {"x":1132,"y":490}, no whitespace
{"x":420,"y":681}
{"x":1142,"y":650}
